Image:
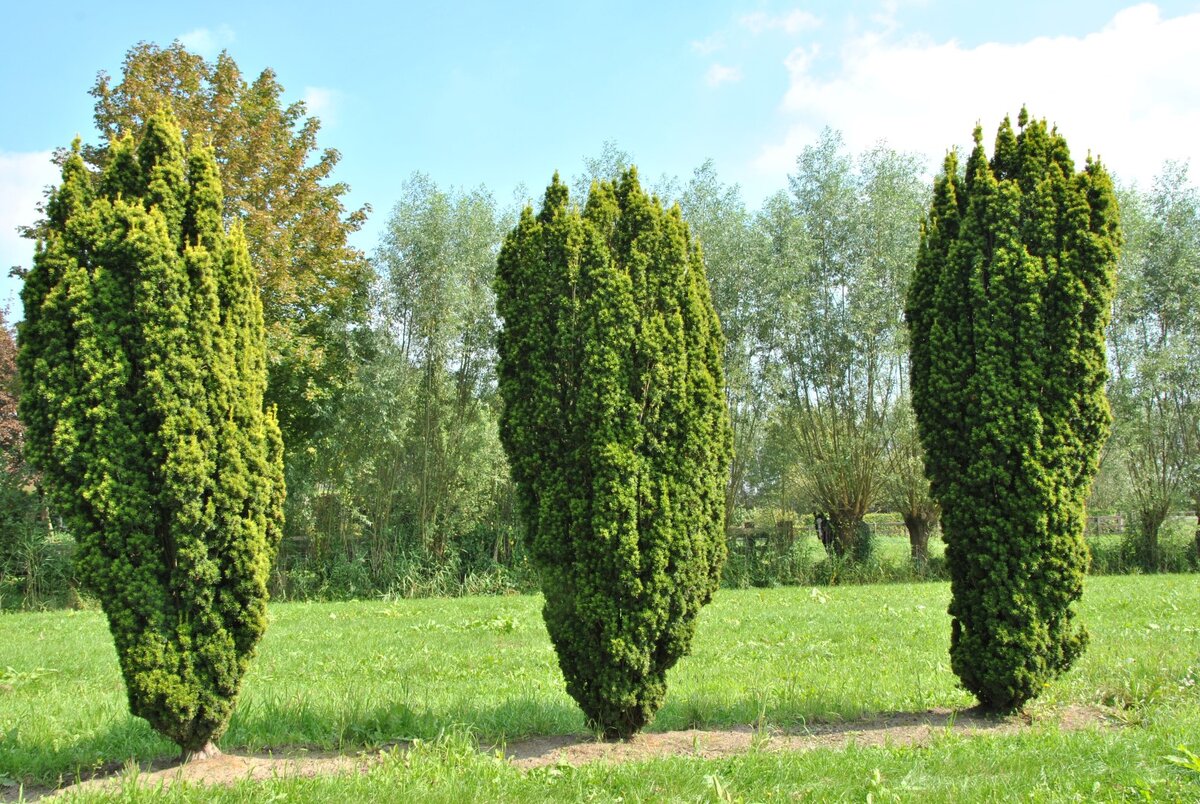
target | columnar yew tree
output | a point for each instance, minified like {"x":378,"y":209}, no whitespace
{"x":1007,"y":309}
{"x":616,"y":428}
{"x":143,"y":361}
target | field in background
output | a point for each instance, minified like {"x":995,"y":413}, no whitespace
{"x":41,"y":575}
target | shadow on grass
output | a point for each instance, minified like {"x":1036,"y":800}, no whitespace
{"x":884,"y":730}
{"x":281,"y":726}
{"x":365,"y":724}
{"x":512,"y":731}
{"x":105,"y":751}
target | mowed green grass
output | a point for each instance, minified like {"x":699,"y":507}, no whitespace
{"x":476,"y":671}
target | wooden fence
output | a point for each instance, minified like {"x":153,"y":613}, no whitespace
{"x":751,"y":539}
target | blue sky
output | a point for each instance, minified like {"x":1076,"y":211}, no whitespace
{"x":502,"y":94}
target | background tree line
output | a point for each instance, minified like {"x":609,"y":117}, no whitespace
{"x":382,"y":364}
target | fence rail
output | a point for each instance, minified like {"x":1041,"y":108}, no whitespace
{"x":751,"y":538}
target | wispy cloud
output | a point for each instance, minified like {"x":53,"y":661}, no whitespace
{"x":709,"y":45}
{"x":322,"y":102}
{"x":793,"y":22}
{"x":719,"y":74}
{"x":208,"y":42}
{"x":1129,"y":92}
{"x":23,"y":180}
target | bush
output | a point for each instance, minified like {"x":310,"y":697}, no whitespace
{"x":616,"y":429}
{"x":1007,"y":309}
{"x":144,"y":368}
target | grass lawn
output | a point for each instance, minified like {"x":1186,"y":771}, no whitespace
{"x":470,"y":671}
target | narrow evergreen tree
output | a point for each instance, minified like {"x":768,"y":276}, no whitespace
{"x":616,"y":428}
{"x":142,"y":354}
{"x":1007,"y":309}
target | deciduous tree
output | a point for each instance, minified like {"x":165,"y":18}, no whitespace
{"x":278,"y":184}
{"x":726,"y":231}
{"x":438,"y":310}
{"x":1155,"y":336}
{"x":843,"y":259}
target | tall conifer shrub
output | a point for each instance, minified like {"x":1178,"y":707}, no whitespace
{"x":616,"y":428}
{"x":142,"y":356}
{"x":1007,"y":309}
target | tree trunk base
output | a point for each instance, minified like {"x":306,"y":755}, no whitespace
{"x":919,"y":527}
{"x":209,"y":751}
{"x":1197,"y":556}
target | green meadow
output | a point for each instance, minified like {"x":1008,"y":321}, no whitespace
{"x":459,"y":676}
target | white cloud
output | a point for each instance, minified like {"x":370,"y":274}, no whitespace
{"x":709,"y":45}
{"x":207,"y":41}
{"x":1129,"y":93}
{"x":792,"y":22}
{"x":23,"y":179}
{"x":322,"y":103}
{"x":720,"y":74}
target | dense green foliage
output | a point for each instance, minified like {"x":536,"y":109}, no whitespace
{"x":280,"y":185}
{"x":384,"y":376}
{"x":720,"y":221}
{"x":616,"y":429}
{"x":143,"y":360}
{"x":1007,"y":309}
{"x":411,"y":492}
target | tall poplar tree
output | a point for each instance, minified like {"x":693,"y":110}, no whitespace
{"x":143,"y":359}
{"x":616,"y":429}
{"x":1007,"y":309}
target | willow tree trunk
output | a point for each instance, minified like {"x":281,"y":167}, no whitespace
{"x":1197,"y":542}
{"x":919,"y":527}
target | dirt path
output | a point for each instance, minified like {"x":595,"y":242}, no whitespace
{"x":899,"y":729}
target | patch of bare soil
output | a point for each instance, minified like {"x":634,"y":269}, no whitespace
{"x":897,"y":729}
{"x":217,"y":769}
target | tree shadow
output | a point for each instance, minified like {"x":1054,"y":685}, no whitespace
{"x":284,"y":727}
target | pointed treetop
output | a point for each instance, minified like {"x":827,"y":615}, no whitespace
{"x":1023,"y":117}
{"x":977,"y":162}
{"x":202,"y":222}
{"x":628,"y":184}
{"x":950,"y":163}
{"x":945,"y":199}
{"x":634,"y":201}
{"x":74,"y":193}
{"x":555,"y":200}
{"x":602,"y":208}
{"x":162,"y":159}
{"x":122,"y":177}
{"x":1006,"y":158}
{"x":1060,"y":153}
